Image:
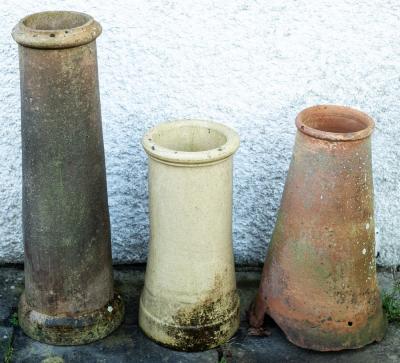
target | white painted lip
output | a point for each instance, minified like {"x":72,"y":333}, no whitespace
{"x":222,"y":151}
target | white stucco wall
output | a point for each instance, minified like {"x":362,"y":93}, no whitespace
{"x":250,"y":64}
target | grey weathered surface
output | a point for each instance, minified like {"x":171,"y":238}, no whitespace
{"x":250,"y":64}
{"x":65,"y":216}
{"x":128,"y":344}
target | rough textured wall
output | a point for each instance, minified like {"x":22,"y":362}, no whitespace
{"x":250,"y":64}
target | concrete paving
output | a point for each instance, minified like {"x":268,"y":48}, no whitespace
{"x":128,"y":344}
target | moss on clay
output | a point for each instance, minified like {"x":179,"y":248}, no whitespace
{"x":64,"y":330}
{"x":206,"y":324}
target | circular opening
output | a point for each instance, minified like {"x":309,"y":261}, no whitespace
{"x":191,"y":141}
{"x":350,"y":323}
{"x":56,"y":30}
{"x":57,"y":20}
{"x":192,"y":138}
{"x":336,"y":123}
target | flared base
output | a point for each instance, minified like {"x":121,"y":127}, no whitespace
{"x":321,"y":338}
{"x":190,"y":338}
{"x":71,"y":330}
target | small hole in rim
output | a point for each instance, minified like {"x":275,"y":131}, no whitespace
{"x":349,"y":323}
{"x":52,"y":35}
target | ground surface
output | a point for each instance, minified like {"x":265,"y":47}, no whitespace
{"x":252,"y":65}
{"x":128,"y":344}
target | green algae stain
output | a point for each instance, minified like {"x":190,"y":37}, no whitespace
{"x":307,"y":259}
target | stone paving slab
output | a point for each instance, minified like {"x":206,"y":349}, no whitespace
{"x":128,"y":343}
{"x":11,"y":285}
{"x":275,"y":348}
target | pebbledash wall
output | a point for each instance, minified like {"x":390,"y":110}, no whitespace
{"x":252,"y":65}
